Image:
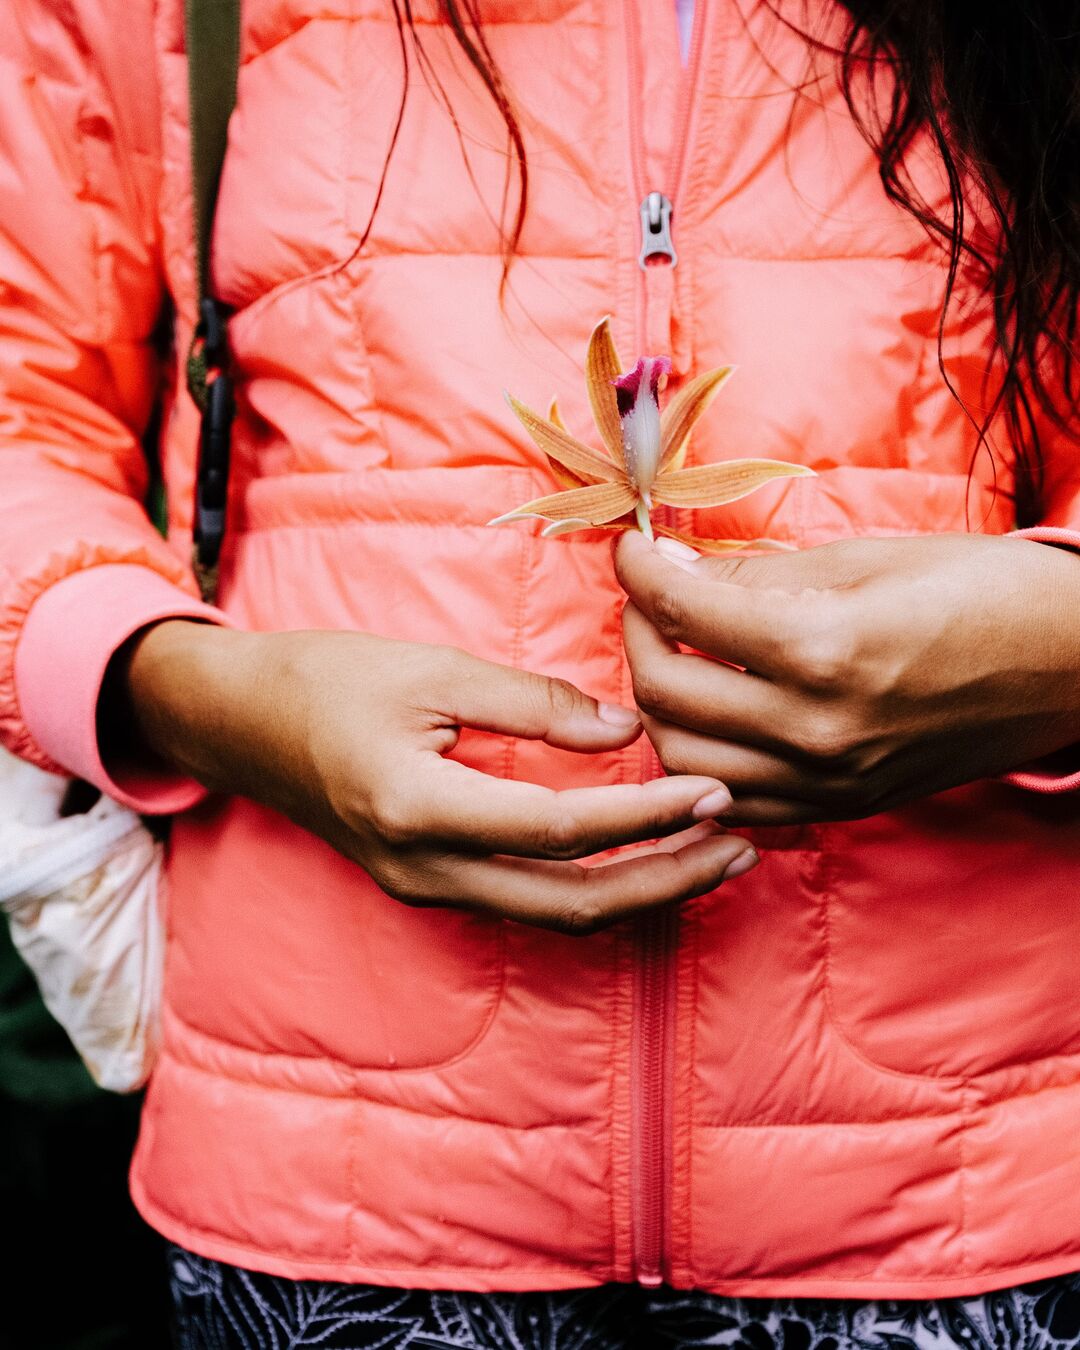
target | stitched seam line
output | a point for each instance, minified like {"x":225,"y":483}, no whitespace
{"x":962,"y":1181}
{"x":828,"y":883}
{"x":352,"y":1099}
{"x":370,"y":256}
{"x":945,"y":1080}
{"x":359,"y":1070}
{"x":826,"y":1124}
{"x":419,"y":20}
{"x":603,"y":1276}
{"x":691,"y":1227}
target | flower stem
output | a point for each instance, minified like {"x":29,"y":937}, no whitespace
{"x":644,"y":523}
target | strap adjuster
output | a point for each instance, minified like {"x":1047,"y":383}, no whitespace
{"x":211,"y":332}
{"x":212,"y":480}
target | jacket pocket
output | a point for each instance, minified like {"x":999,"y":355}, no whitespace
{"x":952,"y":928}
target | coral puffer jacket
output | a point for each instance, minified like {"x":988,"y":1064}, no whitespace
{"x":854,"y":1072}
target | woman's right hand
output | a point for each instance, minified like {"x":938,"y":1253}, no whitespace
{"x":348,"y":734}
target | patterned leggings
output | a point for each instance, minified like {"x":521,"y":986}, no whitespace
{"x":219,"y":1307}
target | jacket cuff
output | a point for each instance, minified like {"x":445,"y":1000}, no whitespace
{"x":71,"y":633}
{"x":1050,"y":534}
{"x":1034,"y":779}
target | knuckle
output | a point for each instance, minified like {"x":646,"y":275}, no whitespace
{"x":581,"y":917}
{"x":825,"y":651}
{"x":561,"y":696}
{"x":825,"y":661}
{"x":563,"y":837}
{"x":673,"y":755}
{"x":669,"y":613}
{"x":394,"y":820}
{"x":397,"y":882}
{"x":648,"y":692}
{"x":826,"y":737}
{"x":740,"y":570}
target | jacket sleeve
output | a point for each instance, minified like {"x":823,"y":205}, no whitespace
{"x":81,"y":567}
{"x":1059,"y":526}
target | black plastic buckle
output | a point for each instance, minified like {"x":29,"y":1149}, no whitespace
{"x":212,"y":478}
{"x":211,"y":332}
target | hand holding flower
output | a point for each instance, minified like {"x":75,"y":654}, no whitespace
{"x":844,"y":680}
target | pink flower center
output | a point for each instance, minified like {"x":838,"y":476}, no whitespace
{"x":637,"y":394}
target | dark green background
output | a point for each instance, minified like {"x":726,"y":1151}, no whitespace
{"x":80,"y":1271}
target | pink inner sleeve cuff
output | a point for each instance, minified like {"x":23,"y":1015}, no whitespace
{"x":1033,"y":779}
{"x":71,"y":633}
{"x":1050,"y":534}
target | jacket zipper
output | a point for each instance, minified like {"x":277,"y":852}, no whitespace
{"x":657,"y":201}
{"x":652,"y":1044}
{"x":651,"y":1088}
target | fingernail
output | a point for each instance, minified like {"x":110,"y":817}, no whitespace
{"x":676,"y":552}
{"x":742,"y":864}
{"x":617,"y":715}
{"x":712,"y":804}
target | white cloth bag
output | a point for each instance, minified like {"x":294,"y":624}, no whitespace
{"x":81,"y":897}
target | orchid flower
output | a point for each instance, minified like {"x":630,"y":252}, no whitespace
{"x":642,"y":463}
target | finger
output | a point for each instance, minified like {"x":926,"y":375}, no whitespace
{"x":744,"y":770}
{"x":583,"y":900}
{"x":694,"y":692}
{"x":498,"y":698}
{"x":761,"y":811}
{"x":842,"y":565}
{"x":751,"y":625}
{"x":467,"y":809}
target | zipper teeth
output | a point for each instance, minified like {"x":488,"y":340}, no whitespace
{"x":652,"y":1113}
{"x":652,"y":1061}
{"x":636,"y":96}
{"x":66,"y":859}
{"x":679,"y":145}
{"x":653,"y":1122}
{"x":688,"y":82}
{"x":653,"y":1097}
{"x":637,"y":149}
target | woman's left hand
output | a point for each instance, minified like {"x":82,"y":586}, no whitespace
{"x":870,"y":672}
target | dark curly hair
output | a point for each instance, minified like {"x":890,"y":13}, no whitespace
{"x":995,"y":85}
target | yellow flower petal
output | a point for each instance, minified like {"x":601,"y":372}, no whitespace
{"x":585,"y":463}
{"x":717,"y":484}
{"x":678,"y":418}
{"x":561,"y":475}
{"x":705,"y":545}
{"x":596,"y":505}
{"x":558,"y":527}
{"x":601,"y":368}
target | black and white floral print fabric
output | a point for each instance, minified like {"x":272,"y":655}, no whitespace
{"x":220,"y":1307}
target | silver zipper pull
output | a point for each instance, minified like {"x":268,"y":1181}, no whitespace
{"x":656,"y":230}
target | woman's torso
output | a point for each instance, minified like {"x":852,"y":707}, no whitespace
{"x":854,"y":1072}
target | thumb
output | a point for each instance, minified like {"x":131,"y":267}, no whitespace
{"x":518,"y":703}
{"x":733,"y":568}
{"x":634,"y":551}
{"x":641,"y":564}
{"x":682,"y":555}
